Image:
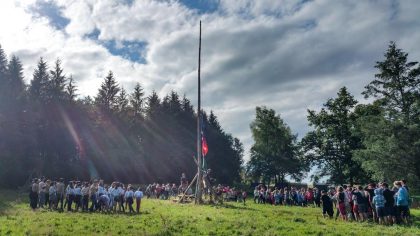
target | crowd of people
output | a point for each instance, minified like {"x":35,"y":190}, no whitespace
{"x":84,"y":196}
{"x":378,"y":202}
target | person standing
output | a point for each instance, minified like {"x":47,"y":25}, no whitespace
{"x":390,"y":216}
{"x":52,"y":196}
{"x":378,"y":202}
{"x":60,"y":188}
{"x":34,"y":194}
{"x":70,"y":196}
{"x":93,"y":195}
{"x":402,"y":202}
{"x":327,"y":205}
{"x":41,"y":192}
{"x":77,"y":195}
{"x":85,"y":197}
{"x":138,"y":195}
{"x":129,"y":194}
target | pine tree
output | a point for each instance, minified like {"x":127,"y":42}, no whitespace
{"x":122,"y":101}
{"x":38,"y":89}
{"x":107,"y":95}
{"x":16,"y":82}
{"x":397,"y":84}
{"x":57,"y":88}
{"x":71,"y":89}
{"x":137,"y":100}
{"x":3,"y":74}
{"x":153,"y":104}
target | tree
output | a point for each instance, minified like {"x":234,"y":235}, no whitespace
{"x":137,"y":101}
{"x":17,"y":84}
{"x":273,"y":154}
{"x":71,"y":90}
{"x":122,"y":101}
{"x":3,"y":74}
{"x":397,"y":84}
{"x":107,"y":95}
{"x":38,"y":89}
{"x":390,"y":126}
{"x":58,"y":81}
{"x":391,"y":149}
{"x":331,"y":144}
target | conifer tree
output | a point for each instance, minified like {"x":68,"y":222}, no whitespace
{"x":107,"y":95}
{"x":57,"y":88}
{"x":137,"y":100}
{"x":38,"y":89}
{"x":71,"y":89}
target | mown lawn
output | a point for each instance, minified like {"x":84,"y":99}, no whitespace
{"x":167,"y":218}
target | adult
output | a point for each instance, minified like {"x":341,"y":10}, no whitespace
{"x":60,"y":188}
{"x":34,"y":194}
{"x":402,"y":202}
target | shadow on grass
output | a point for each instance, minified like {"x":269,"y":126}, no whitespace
{"x":4,"y":206}
{"x":230,"y":206}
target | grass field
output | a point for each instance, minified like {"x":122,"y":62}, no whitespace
{"x":167,"y":218}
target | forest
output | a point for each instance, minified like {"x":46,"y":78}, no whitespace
{"x":47,"y":129}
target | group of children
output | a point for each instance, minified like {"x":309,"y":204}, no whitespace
{"x":287,"y":196}
{"x":86,"y":196}
{"x":381,"y":203}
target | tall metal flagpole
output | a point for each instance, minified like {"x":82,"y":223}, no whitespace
{"x":198,"y":193}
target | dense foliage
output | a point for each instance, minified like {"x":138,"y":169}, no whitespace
{"x":379,"y":141}
{"x":274,"y":155}
{"x":46,"y":130}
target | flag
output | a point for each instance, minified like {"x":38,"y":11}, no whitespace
{"x":204,"y":147}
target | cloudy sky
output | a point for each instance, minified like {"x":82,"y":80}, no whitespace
{"x":289,"y":55}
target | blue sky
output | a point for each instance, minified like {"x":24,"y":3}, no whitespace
{"x":287,"y":55}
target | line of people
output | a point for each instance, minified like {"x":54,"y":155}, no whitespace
{"x":378,"y":202}
{"x":85,"y":196}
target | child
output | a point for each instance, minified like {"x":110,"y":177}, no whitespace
{"x":379,"y":202}
{"x":256,"y":194}
{"x":341,"y":198}
{"x":129,"y":194}
{"x":52,"y":193}
{"x":327,"y":205}
{"x":138,"y":195}
{"x":85,"y":197}
{"x":244,"y":196}
{"x":77,"y":195}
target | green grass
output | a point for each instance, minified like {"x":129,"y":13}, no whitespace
{"x":168,"y":218}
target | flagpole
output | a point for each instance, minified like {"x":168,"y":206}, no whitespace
{"x":198,"y":193}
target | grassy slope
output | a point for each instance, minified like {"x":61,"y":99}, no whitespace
{"x":167,"y":218}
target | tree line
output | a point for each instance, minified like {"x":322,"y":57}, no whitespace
{"x":47,"y":129}
{"x":349,"y":142}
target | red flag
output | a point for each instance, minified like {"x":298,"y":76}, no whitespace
{"x":204,"y":147}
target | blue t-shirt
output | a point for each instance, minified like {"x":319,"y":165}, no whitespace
{"x":402,"y":197}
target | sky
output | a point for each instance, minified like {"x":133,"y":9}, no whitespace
{"x":288,"y":55}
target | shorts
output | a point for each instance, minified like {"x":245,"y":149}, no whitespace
{"x":390,"y":211}
{"x":342,"y":208}
{"x":403,"y":211}
{"x":362,"y":208}
{"x":380,"y":211}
